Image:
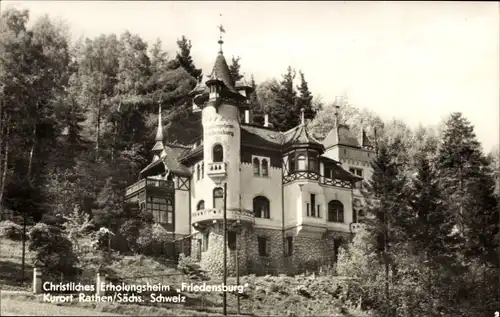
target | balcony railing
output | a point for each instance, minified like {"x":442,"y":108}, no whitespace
{"x":217,"y":170}
{"x":148,"y":182}
{"x":206,"y":215}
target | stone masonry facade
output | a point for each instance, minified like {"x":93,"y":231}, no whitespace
{"x":307,"y":254}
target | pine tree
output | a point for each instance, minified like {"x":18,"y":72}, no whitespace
{"x":469,"y":187}
{"x":184,"y":58}
{"x":428,"y":229}
{"x":283,"y":113}
{"x":234,"y":69}
{"x":387,"y":205}
{"x":255,"y":106}
{"x":304,"y":100}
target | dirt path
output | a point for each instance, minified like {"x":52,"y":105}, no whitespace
{"x":28,"y":307}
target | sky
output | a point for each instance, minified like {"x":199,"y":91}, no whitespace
{"x":414,"y":61}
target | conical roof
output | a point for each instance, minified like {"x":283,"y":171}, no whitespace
{"x":221,"y":72}
{"x":300,"y":135}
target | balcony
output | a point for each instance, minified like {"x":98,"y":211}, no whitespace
{"x":149,"y":184}
{"x":217,"y":171}
{"x":204,"y":217}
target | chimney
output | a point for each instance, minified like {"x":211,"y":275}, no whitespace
{"x":247,"y":116}
{"x":266,"y":120}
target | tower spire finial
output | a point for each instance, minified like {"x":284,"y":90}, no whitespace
{"x":221,"y":30}
{"x":336,"y":111}
{"x":159,"y":132}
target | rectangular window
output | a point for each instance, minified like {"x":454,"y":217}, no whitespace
{"x":262,"y":246}
{"x":289,"y":246}
{"x":307,"y":210}
{"x":313,"y":205}
{"x":328,"y":172}
{"x":231,"y":240}
{"x":170,"y":217}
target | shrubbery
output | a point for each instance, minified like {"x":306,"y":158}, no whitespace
{"x":53,"y":249}
{"x":11,"y":230}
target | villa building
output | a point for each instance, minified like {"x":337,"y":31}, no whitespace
{"x":290,"y":200}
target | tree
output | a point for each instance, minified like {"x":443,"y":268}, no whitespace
{"x":428,"y":229}
{"x":234,"y":69}
{"x":184,"y":58}
{"x":304,"y":99}
{"x":158,"y":57}
{"x":468,"y":184}
{"x":387,"y":200}
{"x":255,"y":106}
{"x":283,"y":113}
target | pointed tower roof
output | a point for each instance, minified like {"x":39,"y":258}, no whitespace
{"x":158,"y":147}
{"x":301,"y":136}
{"x":221,"y":72}
{"x":220,"y":76}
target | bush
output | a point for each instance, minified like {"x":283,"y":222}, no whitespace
{"x":53,"y":249}
{"x":11,"y":230}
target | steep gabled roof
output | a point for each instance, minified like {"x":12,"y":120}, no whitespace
{"x":341,"y":135}
{"x":260,"y":136}
{"x":338,"y":171}
{"x":171,"y":161}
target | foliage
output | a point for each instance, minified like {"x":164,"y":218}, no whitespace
{"x":304,"y":99}
{"x":52,"y":249}
{"x":234,"y":69}
{"x":283,"y":112}
{"x":11,"y":230}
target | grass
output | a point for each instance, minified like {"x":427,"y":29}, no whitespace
{"x":265,"y":296}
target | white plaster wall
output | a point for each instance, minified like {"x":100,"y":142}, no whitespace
{"x":269,"y":187}
{"x":323,"y":196}
{"x":292,"y":203}
{"x":227,"y":114}
{"x":332,"y":153}
{"x":182,"y":212}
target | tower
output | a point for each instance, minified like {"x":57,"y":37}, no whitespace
{"x":221,"y":103}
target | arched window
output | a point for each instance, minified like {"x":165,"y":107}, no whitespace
{"x":202,"y":169}
{"x":261,"y":207}
{"x":301,"y":162}
{"x":265,"y":171}
{"x":256,"y":167}
{"x":335,"y":211}
{"x":217,"y":153}
{"x":198,"y":172}
{"x":200,"y":205}
{"x":218,"y":198}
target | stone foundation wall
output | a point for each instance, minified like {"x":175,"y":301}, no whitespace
{"x":308,"y":253}
{"x":273,"y":263}
{"x":212,"y":259}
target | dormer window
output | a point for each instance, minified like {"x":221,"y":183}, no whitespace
{"x":217,"y":153}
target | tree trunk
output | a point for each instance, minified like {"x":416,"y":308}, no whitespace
{"x":33,"y":145}
{"x":98,"y":129}
{"x":5,"y":166}
{"x":386,"y":264}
